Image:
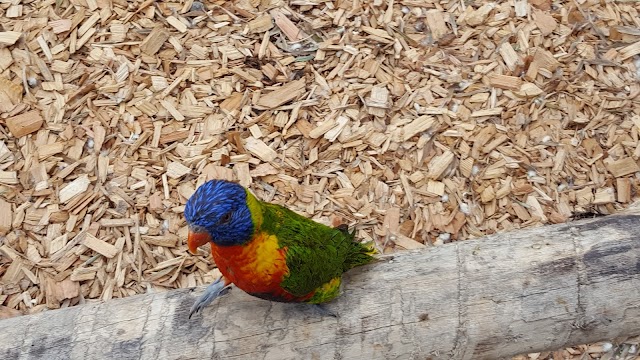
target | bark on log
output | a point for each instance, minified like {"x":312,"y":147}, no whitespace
{"x":523,"y":291}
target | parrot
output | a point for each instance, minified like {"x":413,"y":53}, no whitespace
{"x":268,"y":250}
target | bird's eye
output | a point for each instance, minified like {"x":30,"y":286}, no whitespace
{"x":225,"y":218}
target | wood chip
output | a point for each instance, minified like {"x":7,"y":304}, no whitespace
{"x":584,"y":196}
{"x":177,"y":24}
{"x":6,"y":217}
{"x":487,"y":112}
{"x":545,"y":22}
{"x":436,"y":22}
{"x":165,"y":241}
{"x":528,"y":90}
{"x":436,"y":188}
{"x":24,"y":124}
{"x":439,"y":164}
{"x":406,"y":242}
{"x":76,"y":187}
{"x":479,"y":16}
{"x":9,"y":177}
{"x":322,"y":128}
{"x":505,"y":82}
{"x":116,"y":222}
{"x":9,"y":37}
{"x":154,"y":41}
{"x":258,"y":148}
{"x":261,"y":24}
{"x":521,"y":8}
{"x":420,"y":124}
{"x":510,"y":57}
{"x":605,"y":195}
{"x":535,"y":208}
{"x":282,"y":95}
{"x":287,"y":26}
{"x":101,"y":247}
{"x":176,"y":170}
{"x":10,"y":95}
{"x":625,"y":53}
{"x":542,"y":60}
{"x":622,"y":167}
{"x":623,"y":186}
{"x":66,"y":289}
{"x":378,"y":101}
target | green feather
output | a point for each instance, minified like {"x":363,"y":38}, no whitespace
{"x":316,"y":253}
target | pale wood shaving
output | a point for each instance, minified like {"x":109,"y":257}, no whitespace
{"x":101,"y":247}
{"x":9,"y":37}
{"x":25,"y":123}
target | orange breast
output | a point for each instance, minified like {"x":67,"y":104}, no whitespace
{"x":257,"y":267}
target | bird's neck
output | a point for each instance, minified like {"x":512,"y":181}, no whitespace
{"x":255,"y":207}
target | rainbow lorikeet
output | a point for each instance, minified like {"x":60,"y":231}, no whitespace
{"x":268,"y":250}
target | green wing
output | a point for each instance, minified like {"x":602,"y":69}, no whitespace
{"x":316,"y":253}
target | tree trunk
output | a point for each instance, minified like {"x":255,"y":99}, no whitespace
{"x":524,"y":291}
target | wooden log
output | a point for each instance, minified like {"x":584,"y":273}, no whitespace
{"x":523,"y":291}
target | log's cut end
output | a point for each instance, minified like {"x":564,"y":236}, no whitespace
{"x":524,"y":291}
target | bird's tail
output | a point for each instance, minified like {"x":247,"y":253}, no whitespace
{"x":359,"y":253}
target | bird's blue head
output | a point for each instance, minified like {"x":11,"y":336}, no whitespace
{"x":218,"y":212}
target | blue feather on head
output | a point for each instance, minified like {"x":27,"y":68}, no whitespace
{"x":219,"y":207}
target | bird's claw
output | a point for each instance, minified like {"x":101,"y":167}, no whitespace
{"x":324,"y":311}
{"x":214,"y":290}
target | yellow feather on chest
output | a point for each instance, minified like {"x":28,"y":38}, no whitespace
{"x":258,"y":266}
{"x":264,"y":257}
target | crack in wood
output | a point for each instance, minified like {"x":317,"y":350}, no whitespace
{"x":460,"y":339}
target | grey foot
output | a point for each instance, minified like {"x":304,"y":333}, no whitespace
{"x":213,"y":291}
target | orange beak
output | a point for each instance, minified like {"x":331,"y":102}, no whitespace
{"x":197,"y":239}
